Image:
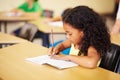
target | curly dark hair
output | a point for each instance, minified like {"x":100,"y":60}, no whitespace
{"x":66,"y":11}
{"x":94,"y":28}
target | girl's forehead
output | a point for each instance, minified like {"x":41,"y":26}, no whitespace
{"x":70,"y":28}
{"x":67,"y":26}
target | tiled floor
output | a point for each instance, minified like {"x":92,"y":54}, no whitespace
{"x":57,"y":37}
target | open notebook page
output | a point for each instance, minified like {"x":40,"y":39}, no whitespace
{"x":45,"y":59}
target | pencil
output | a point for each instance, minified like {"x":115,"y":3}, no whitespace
{"x":52,"y":38}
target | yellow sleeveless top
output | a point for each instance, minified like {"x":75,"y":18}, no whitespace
{"x":74,"y":51}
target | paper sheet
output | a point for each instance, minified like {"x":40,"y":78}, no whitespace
{"x":56,"y":23}
{"x":12,"y":14}
{"x":45,"y":59}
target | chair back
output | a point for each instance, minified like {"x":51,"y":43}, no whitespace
{"x":111,"y":59}
{"x":28,"y":31}
{"x":47,"y":13}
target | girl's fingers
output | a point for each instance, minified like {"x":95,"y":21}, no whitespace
{"x":59,"y":57}
{"x":55,"y":56}
{"x":50,"y":51}
{"x":53,"y":51}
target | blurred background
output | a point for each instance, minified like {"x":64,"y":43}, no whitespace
{"x":106,"y":8}
{"x":101,"y":6}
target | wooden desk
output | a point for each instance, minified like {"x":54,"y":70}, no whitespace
{"x":9,"y":39}
{"x":44,"y":27}
{"x":13,"y":66}
{"x":5,"y":19}
{"x":115,"y":39}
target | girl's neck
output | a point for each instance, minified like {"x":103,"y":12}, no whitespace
{"x":77,"y":46}
{"x":30,"y":4}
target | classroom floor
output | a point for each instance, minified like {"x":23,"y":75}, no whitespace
{"x":57,"y":37}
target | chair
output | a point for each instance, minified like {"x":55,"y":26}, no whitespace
{"x":47,"y":13}
{"x":118,"y":71}
{"x":111,"y":59}
{"x":28,"y":31}
{"x":44,"y":36}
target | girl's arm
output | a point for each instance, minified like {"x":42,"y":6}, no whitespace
{"x":116,"y":27}
{"x":65,"y":44}
{"x":89,"y":61}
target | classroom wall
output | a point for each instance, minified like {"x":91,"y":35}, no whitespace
{"x":101,"y":6}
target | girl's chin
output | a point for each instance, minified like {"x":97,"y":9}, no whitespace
{"x":74,"y":43}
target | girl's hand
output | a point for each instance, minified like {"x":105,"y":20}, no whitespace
{"x":60,"y":57}
{"x":50,"y":51}
{"x":53,"y":51}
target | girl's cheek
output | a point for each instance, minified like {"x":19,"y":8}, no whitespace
{"x":67,"y":36}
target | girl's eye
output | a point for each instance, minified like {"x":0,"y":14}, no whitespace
{"x":69,"y":34}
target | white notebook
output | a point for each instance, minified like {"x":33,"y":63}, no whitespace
{"x":45,"y":59}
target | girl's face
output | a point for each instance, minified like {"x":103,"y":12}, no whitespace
{"x":74,"y":35}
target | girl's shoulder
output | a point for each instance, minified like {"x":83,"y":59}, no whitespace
{"x":92,"y":50}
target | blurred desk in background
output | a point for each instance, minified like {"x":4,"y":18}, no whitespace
{"x":5,"y":17}
{"x":115,"y":38}
{"x":10,"y":39}
{"x":46,"y":28}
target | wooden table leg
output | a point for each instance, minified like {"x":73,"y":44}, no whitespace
{"x":5,"y":27}
{"x":0,"y":27}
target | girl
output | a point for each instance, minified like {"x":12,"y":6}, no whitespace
{"x":87,"y":36}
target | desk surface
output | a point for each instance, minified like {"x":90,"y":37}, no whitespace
{"x":9,"y":39}
{"x":44,"y":27}
{"x":115,"y":39}
{"x":13,"y":66}
{"x":4,"y":18}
